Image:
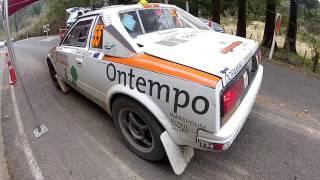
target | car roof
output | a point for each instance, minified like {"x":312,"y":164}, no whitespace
{"x":114,"y":9}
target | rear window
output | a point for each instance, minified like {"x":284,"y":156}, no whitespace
{"x":138,"y":22}
{"x":159,"y":19}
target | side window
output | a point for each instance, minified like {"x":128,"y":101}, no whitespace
{"x":131,"y":23}
{"x":97,"y":36}
{"x":79,"y":34}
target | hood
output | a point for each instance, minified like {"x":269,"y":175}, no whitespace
{"x":219,"y":54}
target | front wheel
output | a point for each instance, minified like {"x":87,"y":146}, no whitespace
{"x":138,"y":128}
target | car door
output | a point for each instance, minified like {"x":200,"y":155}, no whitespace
{"x":105,"y":41}
{"x":73,"y":53}
{"x":94,"y":69}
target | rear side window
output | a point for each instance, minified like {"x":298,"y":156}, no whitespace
{"x":79,"y":34}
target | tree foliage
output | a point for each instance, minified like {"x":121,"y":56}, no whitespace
{"x":53,"y":13}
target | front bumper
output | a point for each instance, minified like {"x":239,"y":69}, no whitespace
{"x":229,"y":131}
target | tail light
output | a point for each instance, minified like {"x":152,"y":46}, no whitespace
{"x":232,"y":96}
{"x":218,"y":147}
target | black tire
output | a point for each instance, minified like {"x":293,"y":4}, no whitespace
{"x":131,"y":119}
{"x":53,"y":73}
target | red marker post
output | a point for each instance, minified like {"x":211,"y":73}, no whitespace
{"x":12,"y":73}
{"x":276,"y":32}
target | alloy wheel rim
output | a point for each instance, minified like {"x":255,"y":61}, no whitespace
{"x":136,"y":130}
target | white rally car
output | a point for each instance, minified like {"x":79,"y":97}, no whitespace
{"x":74,"y":13}
{"x":169,"y":82}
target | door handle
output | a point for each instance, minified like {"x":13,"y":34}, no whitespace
{"x":79,"y":61}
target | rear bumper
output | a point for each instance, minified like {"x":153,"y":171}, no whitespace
{"x":227,"y":134}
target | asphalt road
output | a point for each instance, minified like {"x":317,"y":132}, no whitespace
{"x":278,"y":141}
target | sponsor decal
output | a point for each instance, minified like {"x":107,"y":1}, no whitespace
{"x":96,"y":55}
{"x":97,"y":38}
{"x":117,"y":36}
{"x":230,"y":47}
{"x":110,"y":47}
{"x":183,"y":124}
{"x":74,"y":75}
{"x":83,"y":53}
{"x":128,"y":22}
{"x":172,"y":41}
{"x":229,"y":74}
{"x":181,"y":100}
{"x":153,"y":64}
{"x":167,"y":43}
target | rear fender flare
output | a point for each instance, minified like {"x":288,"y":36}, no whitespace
{"x":143,"y":99}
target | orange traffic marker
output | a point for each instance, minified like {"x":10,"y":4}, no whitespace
{"x":12,"y":73}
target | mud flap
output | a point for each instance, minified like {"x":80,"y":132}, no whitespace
{"x":179,"y":156}
{"x":64,"y":87}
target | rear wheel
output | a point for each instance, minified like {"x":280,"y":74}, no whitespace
{"x":138,"y":128}
{"x":53,"y":73}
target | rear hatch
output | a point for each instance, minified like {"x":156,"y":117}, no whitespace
{"x":219,"y":54}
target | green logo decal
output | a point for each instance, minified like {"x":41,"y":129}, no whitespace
{"x":74,"y":75}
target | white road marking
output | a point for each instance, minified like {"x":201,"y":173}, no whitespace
{"x":24,"y":143}
{"x":48,"y":39}
{"x":3,"y":165}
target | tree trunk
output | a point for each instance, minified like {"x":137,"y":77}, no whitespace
{"x":216,"y":11}
{"x":241,"y":24}
{"x":315,"y":61}
{"x":116,"y":2}
{"x":194,"y":7}
{"x":270,"y":23}
{"x":290,"y":42}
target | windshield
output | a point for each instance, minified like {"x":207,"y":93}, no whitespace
{"x":138,"y":22}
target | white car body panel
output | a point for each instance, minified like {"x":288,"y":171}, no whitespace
{"x":188,"y":110}
{"x":201,"y":50}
